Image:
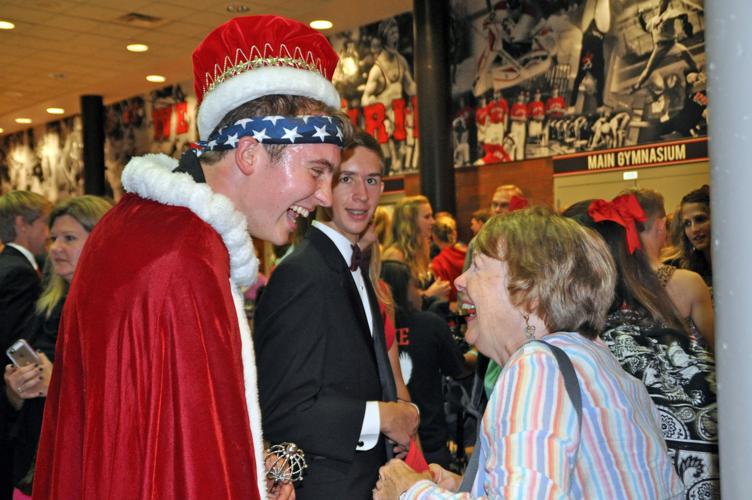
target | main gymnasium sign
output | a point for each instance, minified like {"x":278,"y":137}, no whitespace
{"x":665,"y":153}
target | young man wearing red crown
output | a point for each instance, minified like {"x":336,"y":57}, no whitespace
{"x":154,"y":393}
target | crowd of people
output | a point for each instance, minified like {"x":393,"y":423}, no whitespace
{"x":596,"y":324}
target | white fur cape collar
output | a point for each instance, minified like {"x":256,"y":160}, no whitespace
{"x":151,"y":176}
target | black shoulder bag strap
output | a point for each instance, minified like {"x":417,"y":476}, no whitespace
{"x":572,"y":386}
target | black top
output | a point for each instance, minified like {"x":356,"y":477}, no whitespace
{"x":28,"y":426}
{"x":427,"y":350}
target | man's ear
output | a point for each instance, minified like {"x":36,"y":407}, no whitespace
{"x":20,"y":223}
{"x":249,"y":153}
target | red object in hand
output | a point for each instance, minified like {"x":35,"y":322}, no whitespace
{"x":415,"y":458}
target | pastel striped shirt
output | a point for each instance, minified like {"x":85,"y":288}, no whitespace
{"x":530,"y":433}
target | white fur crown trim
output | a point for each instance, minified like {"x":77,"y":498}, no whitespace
{"x":152,"y":177}
{"x":259,"y":82}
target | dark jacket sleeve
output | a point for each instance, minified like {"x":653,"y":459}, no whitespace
{"x":290,"y":326}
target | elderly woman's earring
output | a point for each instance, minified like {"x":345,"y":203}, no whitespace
{"x":529,"y":329}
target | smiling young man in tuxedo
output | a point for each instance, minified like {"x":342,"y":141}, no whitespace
{"x":325,"y":381}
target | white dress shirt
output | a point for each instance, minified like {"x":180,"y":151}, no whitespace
{"x":371,"y":428}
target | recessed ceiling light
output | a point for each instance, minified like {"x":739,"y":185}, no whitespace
{"x":321,"y":24}
{"x":23,"y":120}
{"x":56,"y":76}
{"x":55,"y":111}
{"x":6,"y":25}
{"x":237,"y":8}
{"x":137,"y":47}
{"x":155,"y":78}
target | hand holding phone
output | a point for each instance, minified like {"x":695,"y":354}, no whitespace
{"x":22,"y":354}
{"x":28,"y":377}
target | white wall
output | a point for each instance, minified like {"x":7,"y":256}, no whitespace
{"x":673,"y":182}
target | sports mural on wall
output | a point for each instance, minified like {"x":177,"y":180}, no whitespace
{"x":49,"y":159}
{"x":162,"y":122}
{"x":374,"y":78}
{"x":552,"y":77}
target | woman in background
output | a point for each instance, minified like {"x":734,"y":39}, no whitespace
{"x":71,"y":221}
{"x":447,"y":265}
{"x":651,"y":341}
{"x":412,"y":223}
{"x":694,"y":231}
{"x":686,"y":288}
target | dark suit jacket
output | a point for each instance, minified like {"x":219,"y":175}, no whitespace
{"x":19,"y":290}
{"x":317,"y":369}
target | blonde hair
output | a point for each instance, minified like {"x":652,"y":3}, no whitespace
{"x":382,"y":224}
{"x":87,"y":210}
{"x":445,"y":229}
{"x":559,"y":270}
{"x":406,"y":235}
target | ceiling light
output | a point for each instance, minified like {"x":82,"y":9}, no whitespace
{"x":56,"y":76}
{"x":55,"y":111}
{"x":237,"y":8}
{"x":2,"y":130}
{"x":23,"y":120}
{"x":6,"y":25}
{"x":137,"y":47}
{"x":321,"y":24}
{"x":155,"y":78}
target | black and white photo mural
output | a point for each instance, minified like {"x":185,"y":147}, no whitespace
{"x":48,"y":159}
{"x":554,"y":77}
{"x":374,"y":78}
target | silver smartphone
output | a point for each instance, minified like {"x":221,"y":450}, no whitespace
{"x":22,"y":354}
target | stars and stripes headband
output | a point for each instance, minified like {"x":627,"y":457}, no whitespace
{"x":318,"y":129}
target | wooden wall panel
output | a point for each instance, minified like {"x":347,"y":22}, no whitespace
{"x":474,"y":186}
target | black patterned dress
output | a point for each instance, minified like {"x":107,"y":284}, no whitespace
{"x":679,"y":374}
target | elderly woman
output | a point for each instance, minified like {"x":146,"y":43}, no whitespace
{"x":539,"y":282}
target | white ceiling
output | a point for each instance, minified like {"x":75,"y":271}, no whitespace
{"x":82,"y":40}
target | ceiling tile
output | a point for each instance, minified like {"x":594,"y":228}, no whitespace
{"x":64,"y":22}
{"x":165,"y":10}
{"x":183,"y":28}
{"x":117,"y":30}
{"x":55,"y":34}
{"x":18,"y":13}
{"x":91,"y":11}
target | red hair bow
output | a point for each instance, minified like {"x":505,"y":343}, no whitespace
{"x":626,"y":211}
{"x":518,"y":203}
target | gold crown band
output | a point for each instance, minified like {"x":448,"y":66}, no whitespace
{"x":258,"y":63}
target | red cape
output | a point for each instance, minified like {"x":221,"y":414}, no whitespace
{"x":148,"y":397}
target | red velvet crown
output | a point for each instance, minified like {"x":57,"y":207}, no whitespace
{"x":252,"y":56}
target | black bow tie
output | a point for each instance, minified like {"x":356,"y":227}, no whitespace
{"x":359,"y":259}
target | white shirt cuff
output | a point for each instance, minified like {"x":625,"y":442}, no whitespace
{"x":369,"y":432}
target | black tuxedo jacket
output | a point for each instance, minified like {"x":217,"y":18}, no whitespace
{"x":317,"y":369}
